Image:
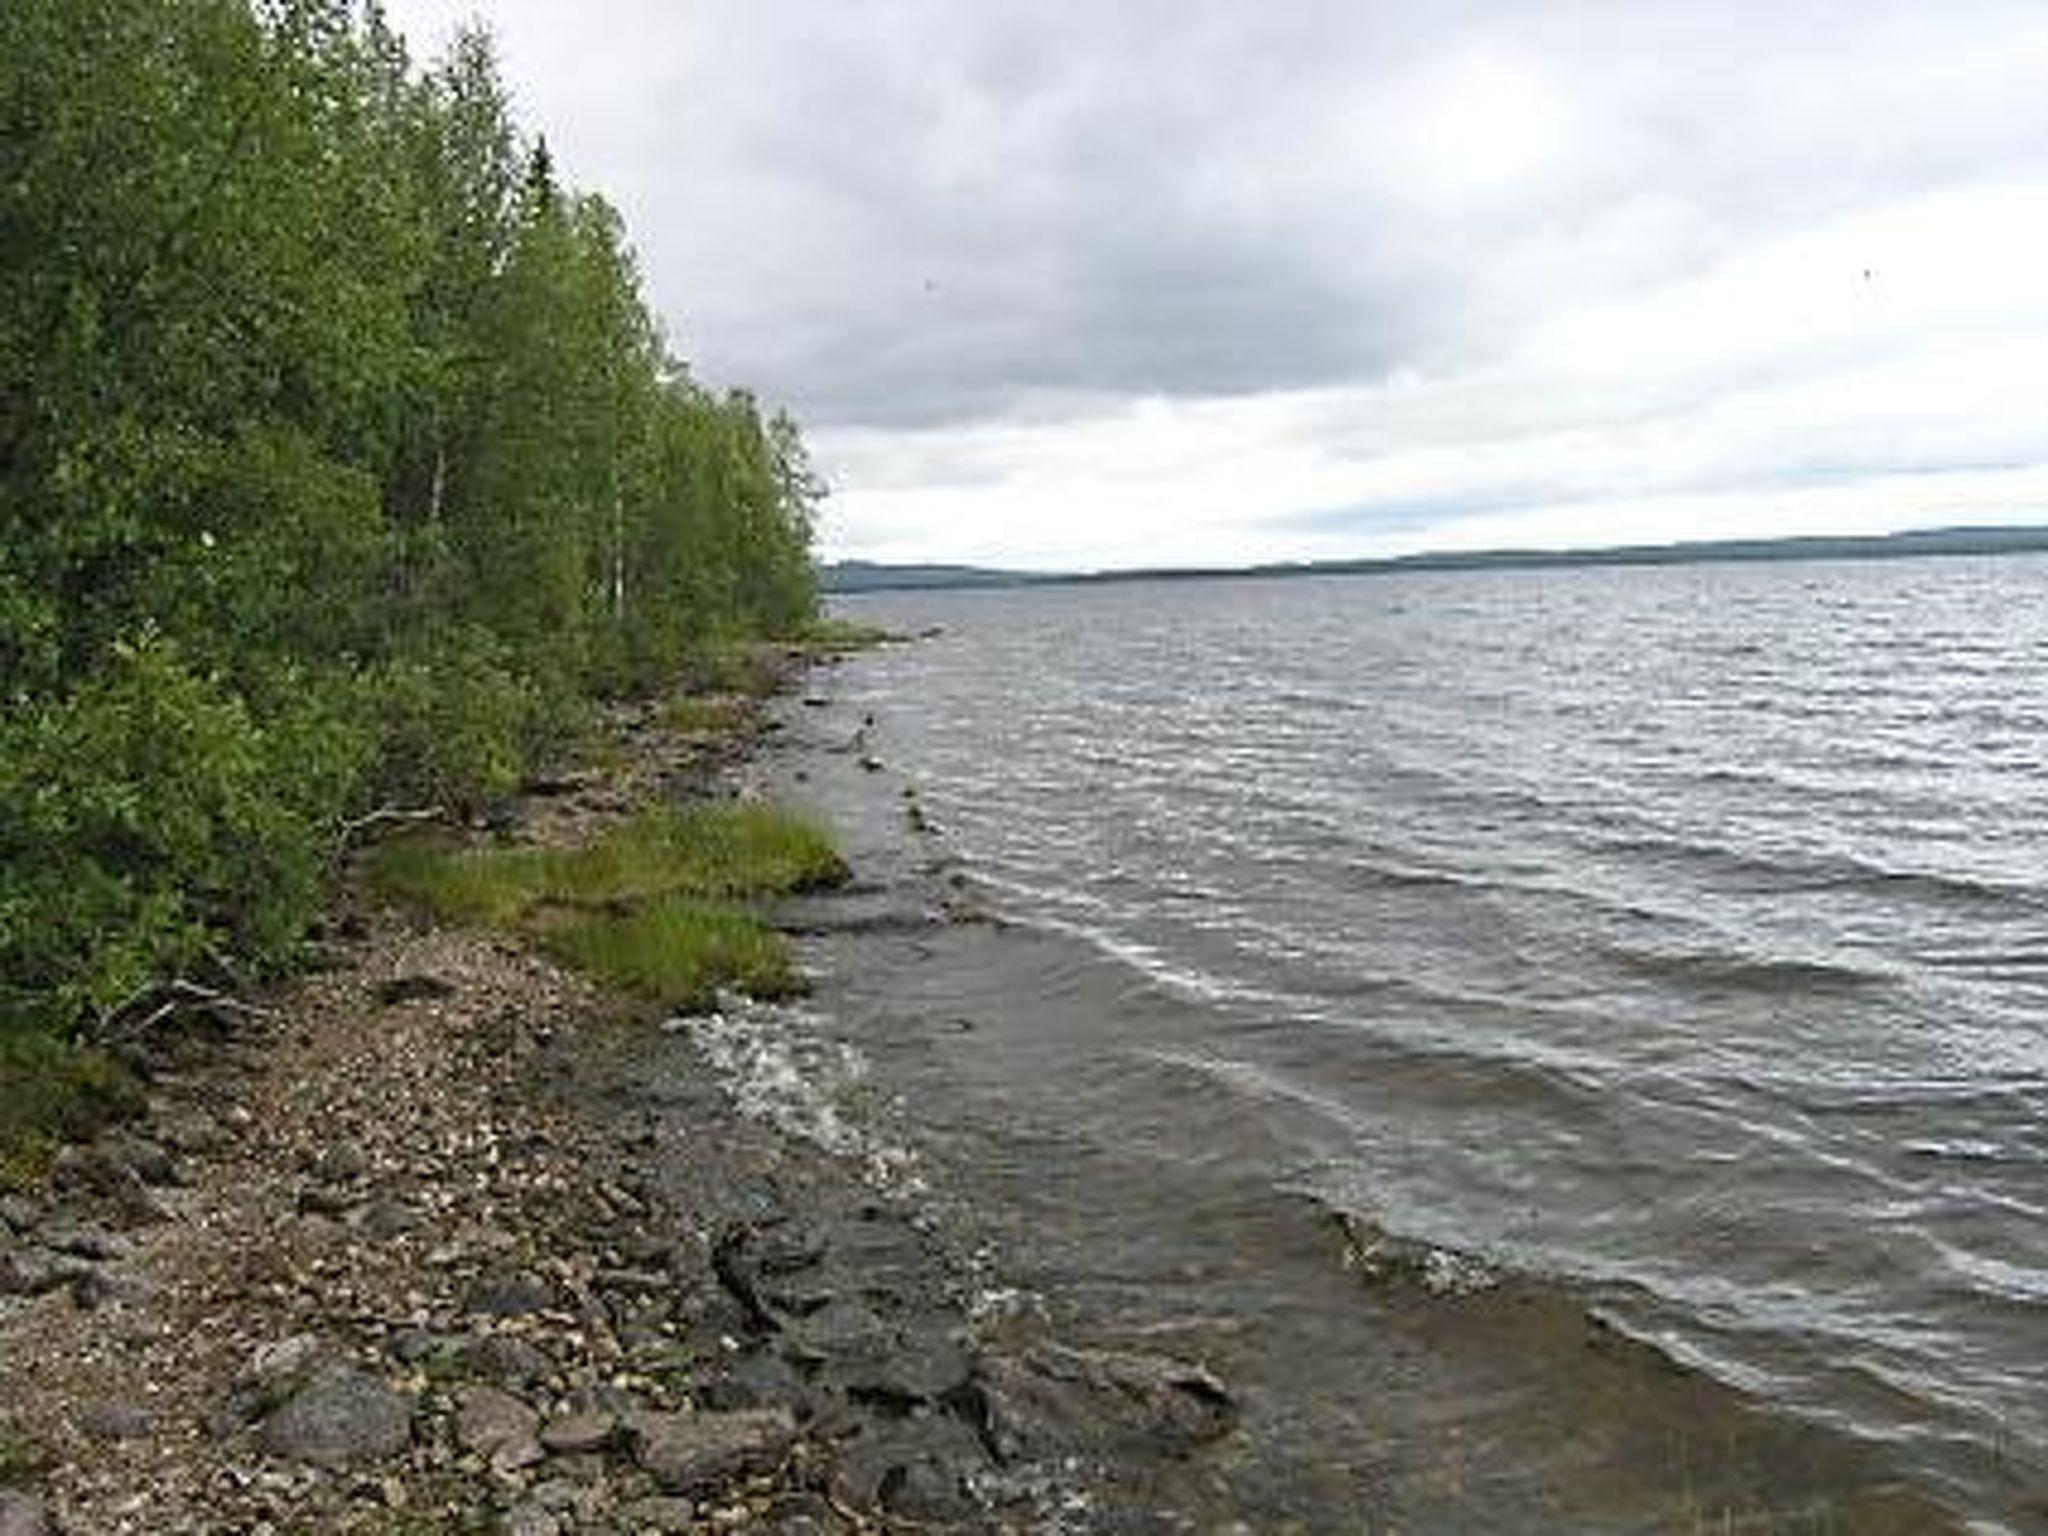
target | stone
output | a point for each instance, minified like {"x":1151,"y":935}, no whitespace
{"x":529,"y":1519}
{"x":578,"y":1434}
{"x":117,"y":1421}
{"x":92,"y":1289}
{"x":19,"y":1213}
{"x":509,"y":1293}
{"x":417,"y":988}
{"x":1045,"y":1402}
{"x":660,"y":1513}
{"x":152,"y":1163}
{"x":506,"y":1359}
{"x":687,"y":1452}
{"x":274,"y":1369}
{"x":495,"y":1424}
{"x":339,"y":1418}
{"x":21,"y":1515}
{"x":85,"y":1242}
{"x":385,"y":1218}
{"x":32,"y":1272}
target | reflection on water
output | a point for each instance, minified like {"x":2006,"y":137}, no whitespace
{"x":1678,"y":934}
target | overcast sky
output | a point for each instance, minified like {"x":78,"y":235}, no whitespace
{"x":1060,"y":283}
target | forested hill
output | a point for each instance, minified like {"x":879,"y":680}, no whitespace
{"x":340,"y":461}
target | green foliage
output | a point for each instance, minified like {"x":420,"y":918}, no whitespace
{"x":340,"y":462}
{"x":456,"y":724}
{"x":680,"y":953}
{"x":150,"y":822}
{"x":51,"y":1091}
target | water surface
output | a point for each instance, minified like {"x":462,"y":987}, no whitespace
{"x":1678,"y":936}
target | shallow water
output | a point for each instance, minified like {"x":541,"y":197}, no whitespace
{"x":1678,"y":937}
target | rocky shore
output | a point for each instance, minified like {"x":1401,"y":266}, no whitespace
{"x":443,"y":1239}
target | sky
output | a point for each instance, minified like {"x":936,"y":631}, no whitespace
{"x":1065,"y":284}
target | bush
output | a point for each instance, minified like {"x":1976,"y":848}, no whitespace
{"x":148,"y":823}
{"x":457,"y":725}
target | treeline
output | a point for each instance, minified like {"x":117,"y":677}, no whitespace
{"x":340,"y":460}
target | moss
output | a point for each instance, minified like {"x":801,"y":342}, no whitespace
{"x":679,"y":953}
{"x":52,"y":1091}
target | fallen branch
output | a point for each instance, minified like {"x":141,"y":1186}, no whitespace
{"x":391,"y":815}
{"x":129,"y":1021}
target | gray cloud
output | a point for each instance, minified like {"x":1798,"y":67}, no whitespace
{"x":918,"y":214}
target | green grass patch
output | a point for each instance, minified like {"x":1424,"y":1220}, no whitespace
{"x":22,"y":1461}
{"x":679,"y":952}
{"x":52,"y":1091}
{"x":832,"y":634}
{"x":710,"y":714}
{"x":708,"y":851}
{"x":733,"y":667}
{"x":655,"y":905}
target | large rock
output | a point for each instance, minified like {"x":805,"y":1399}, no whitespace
{"x":1053,"y":1399}
{"x":510,"y":1293}
{"x":497,"y":1425}
{"x":690,"y":1452}
{"x":340,"y":1417}
{"x":21,"y":1515}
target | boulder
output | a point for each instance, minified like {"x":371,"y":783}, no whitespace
{"x":495,"y":1424}
{"x":689,"y":1452}
{"x":339,"y":1418}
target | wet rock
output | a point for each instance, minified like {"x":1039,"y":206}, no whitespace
{"x":498,"y":1426}
{"x":688,"y":1452}
{"x":918,"y":1470}
{"x":578,"y":1434}
{"x":509,"y":1293}
{"x":21,"y":1515}
{"x":340,"y":1417}
{"x":117,"y":1421}
{"x":1055,"y":1398}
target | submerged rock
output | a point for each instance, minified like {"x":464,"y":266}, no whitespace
{"x":1052,"y":1398}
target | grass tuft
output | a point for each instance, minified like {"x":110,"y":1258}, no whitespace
{"x":710,"y":715}
{"x":653,"y":905}
{"x":679,"y":952}
{"x":831,"y":634}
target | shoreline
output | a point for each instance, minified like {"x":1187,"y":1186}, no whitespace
{"x":553,"y":1275}
{"x":444,"y":1237}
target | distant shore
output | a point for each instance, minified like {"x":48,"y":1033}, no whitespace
{"x":848,"y":577}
